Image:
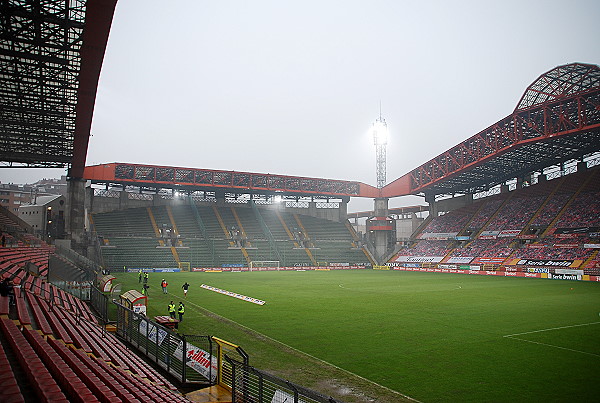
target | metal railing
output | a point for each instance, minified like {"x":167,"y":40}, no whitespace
{"x":52,"y":299}
{"x":80,"y":261}
{"x":253,"y":385}
{"x":207,"y":360}
{"x":99,"y":301}
{"x":188,"y":358}
{"x":225,"y":374}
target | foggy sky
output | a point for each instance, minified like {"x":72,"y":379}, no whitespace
{"x":292,"y":87}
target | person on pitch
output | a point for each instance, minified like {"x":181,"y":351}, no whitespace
{"x":181,"y":311}
{"x":172,"y":310}
{"x":185,"y":289}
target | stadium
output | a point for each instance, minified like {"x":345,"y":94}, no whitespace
{"x":150,"y":282}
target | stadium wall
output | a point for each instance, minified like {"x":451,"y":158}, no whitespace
{"x":554,"y":276}
{"x":233,"y":268}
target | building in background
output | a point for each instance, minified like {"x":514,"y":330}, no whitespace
{"x":46,"y":216}
{"x":12,"y":196}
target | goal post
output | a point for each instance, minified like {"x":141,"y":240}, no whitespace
{"x":184,"y":266}
{"x":264,"y":264}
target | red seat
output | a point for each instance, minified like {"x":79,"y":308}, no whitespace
{"x":69,"y":381}
{"x":43,"y":383}
{"x":22,"y":311}
{"x":4,"y":305}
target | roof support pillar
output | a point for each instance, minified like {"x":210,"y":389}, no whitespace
{"x":75,"y":213}
{"x":381,"y":239}
{"x":430,"y":199}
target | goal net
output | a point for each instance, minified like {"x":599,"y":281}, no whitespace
{"x":264,"y":264}
{"x":184,"y":266}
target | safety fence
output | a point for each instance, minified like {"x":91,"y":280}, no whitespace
{"x":99,"y":301}
{"x":253,"y":385}
{"x":207,"y":360}
{"x":89,"y":267}
{"x":189,"y":358}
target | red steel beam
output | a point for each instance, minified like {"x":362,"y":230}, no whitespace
{"x":163,"y":176}
{"x":98,"y":19}
{"x":575,"y":114}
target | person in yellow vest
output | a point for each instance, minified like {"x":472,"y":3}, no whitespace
{"x":140,"y":276}
{"x":145,"y":289}
{"x":181,"y":311}
{"x":172,"y":310}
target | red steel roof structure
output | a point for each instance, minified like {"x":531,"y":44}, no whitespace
{"x":51,"y":52}
{"x":240,"y":182}
{"x":557,"y":120}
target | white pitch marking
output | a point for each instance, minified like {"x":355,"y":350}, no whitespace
{"x":551,"y":345}
{"x":552,"y":328}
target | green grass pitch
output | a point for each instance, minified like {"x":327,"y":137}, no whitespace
{"x":434,"y":337}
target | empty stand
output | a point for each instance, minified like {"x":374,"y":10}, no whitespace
{"x":212,"y":243}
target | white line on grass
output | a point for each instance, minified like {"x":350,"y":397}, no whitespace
{"x":306,"y":354}
{"x":512,"y":336}
{"x":552,"y":345}
{"x":552,"y":328}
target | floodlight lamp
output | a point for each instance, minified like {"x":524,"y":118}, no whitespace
{"x":380,"y":132}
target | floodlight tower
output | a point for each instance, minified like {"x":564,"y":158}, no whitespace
{"x":380,"y":227}
{"x":380,"y":138}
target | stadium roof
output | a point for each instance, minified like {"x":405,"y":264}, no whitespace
{"x":192,"y":179}
{"x":560,"y":82}
{"x":556,"y":121}
{"x":51,"y":52}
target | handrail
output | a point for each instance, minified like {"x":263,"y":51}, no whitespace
{"x":80,"y":261}
{"x":51,"y":302}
